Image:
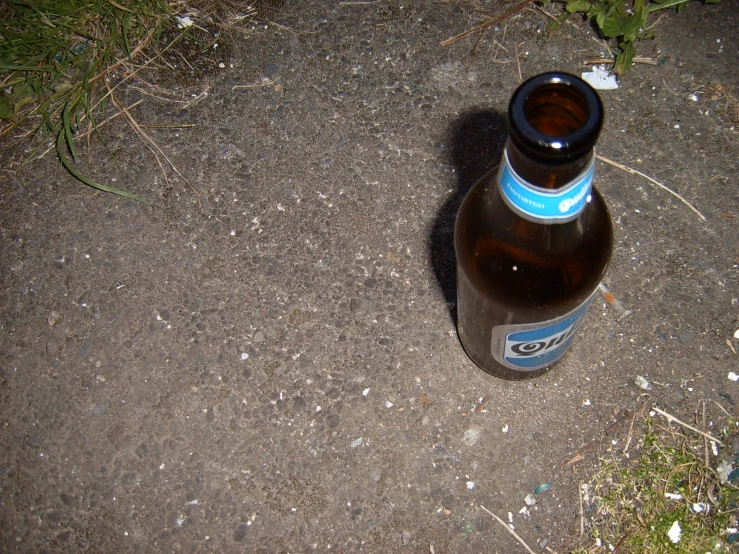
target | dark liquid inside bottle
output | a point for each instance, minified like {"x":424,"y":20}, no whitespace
{"x":512,"y":269}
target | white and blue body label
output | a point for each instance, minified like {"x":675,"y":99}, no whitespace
{"x":532,"y":346}
{"x":545,"y":205}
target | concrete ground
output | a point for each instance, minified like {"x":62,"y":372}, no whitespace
{"x":274,"y":366}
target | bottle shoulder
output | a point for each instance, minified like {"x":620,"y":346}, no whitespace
{"x":525,"y":263}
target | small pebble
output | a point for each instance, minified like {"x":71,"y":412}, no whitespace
{"x":52,"y":348}
{"x":259,"y":337}
{"x":472,"y":435}
{"x":55,"y":317}
{"x":100,"y":409}
{"x":733,"y":376}
{"x":100,"y":378}
{"x":365,"y":392}
{"x":388,"y":404}
{"x":244,"y":355}
{"x":642,"y":383}
{"x":470,"y":485}
{"x":530,"y":500}
{"x":357,"y":442}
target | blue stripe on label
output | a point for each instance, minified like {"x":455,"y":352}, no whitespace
{"x":536,"y":203}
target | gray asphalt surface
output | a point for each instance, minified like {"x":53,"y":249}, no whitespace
{"x":274,"y":367}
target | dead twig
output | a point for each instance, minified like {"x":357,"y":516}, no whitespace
{"x":671,"y":418}
{"x":490,"y":23}
{"x":511,"y":531}
{"x":648,"y":178}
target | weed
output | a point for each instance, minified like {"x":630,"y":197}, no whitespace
{"x":61,"y":60}
{"x":667,"y":499}
{"x":55,"y":57}
{"x":622,"y":20}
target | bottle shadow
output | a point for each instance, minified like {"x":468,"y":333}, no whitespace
{"x":475,"y":143}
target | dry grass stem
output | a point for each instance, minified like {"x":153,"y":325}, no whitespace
{"x":671,"y":418}
{"x":511,"y":531}
{"x":723,"y":409}
{"x":731,"y":346}
{"x":545,"y":13}
{"x":598,"y":61}
{"x":518,"y":63}
{"x":483,"y":26}
{"x":142,"y":44}
{"x":630,"y":435}
{"x":152,"y":145}
{"x":648,"y":178}
{"x":582,"y":513}
{"x":576,"y":458}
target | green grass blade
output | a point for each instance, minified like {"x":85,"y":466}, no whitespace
{"x":69,"y":167}
{"x":68,"y":132}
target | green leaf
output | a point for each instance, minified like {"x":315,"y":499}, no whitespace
{"x":574,"y":6}
{"x":600,"y":19}
{"x":6,"y":112}
{"x":632,"y":25}
{"x":612,"y":26}
{"x":623,"y":59}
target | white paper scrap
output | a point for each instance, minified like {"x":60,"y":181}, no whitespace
{"x":183,"y":22}
{"x":600,"y":79}
{"x":675,"y":532}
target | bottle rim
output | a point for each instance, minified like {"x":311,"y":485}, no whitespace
{"x":546,"y":147}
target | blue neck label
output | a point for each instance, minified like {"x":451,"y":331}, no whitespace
{"x":542,"y":205}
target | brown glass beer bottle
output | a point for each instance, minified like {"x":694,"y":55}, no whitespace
{"x":533,"y":237}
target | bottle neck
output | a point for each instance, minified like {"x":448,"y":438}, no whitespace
{"x":543,"y":175}
{"x":545,"y":193}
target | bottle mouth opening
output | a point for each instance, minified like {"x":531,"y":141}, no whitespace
{"x":555,"y":117}
{"x":556,"y":110}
